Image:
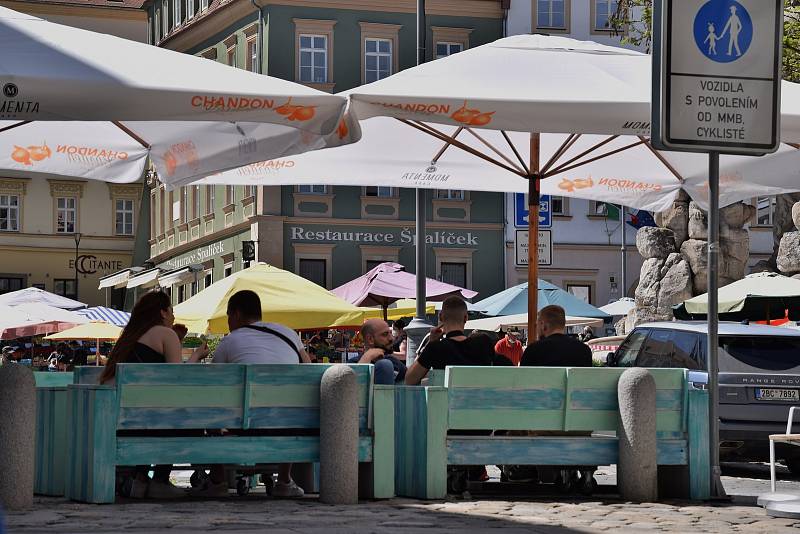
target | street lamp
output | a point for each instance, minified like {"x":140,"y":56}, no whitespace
{"x":77,"y":237}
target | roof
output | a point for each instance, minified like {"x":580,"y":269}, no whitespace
{"x":116,"y":4}
{"x":725,"y":328}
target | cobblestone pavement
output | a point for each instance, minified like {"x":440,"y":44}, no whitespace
{"x":534,"y":511}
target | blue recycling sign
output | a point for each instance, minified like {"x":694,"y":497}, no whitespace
{"x":521,"y":211}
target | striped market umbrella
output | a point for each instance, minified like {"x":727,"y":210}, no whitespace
{"x":109,"y":315}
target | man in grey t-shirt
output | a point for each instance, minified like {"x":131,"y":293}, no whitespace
{"x":253,"y":341}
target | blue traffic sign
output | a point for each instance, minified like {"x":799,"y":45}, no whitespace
{"x":521,"y":211}
{"x":723,"y":30}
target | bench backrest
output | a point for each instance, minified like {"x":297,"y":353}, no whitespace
{"x":46,"y":379}
{"x":553,"y":398}
{"x":233,"y":396}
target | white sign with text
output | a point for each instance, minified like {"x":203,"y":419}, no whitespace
{"x":545,"y":248}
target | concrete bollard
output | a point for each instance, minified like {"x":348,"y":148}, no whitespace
{"x":338,"y":436}
{"x":637,"y":470}
{"x":17,"y":436}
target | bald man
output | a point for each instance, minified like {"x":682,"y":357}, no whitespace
{"x":378,"y":342}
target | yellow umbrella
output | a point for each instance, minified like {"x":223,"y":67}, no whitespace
{"x":97,"y":330}
{"x":399,"y":309}
{"x":286,"y":298}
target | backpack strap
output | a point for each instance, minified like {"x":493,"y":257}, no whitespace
{"x":283,"y":337}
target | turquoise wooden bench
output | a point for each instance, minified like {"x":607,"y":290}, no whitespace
{"x":281,"y":402}
{"x":51,"y":429}
{"x":546,"y":399}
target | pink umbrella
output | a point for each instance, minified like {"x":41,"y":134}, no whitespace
{"x":389,"y":282}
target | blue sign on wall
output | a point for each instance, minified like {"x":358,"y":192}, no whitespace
{"x":521,"y":211}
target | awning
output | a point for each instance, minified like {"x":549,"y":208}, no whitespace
{"x":118,"y":279}
{"x":180,"y":276}
{"x":148,"y":278}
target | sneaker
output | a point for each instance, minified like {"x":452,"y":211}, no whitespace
{"x":164,"y":490}
{"x":287,"y":490}
{"x":210,"y":489}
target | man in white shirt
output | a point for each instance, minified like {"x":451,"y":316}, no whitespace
{"x":254,"y":341}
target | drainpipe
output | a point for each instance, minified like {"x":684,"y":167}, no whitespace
{"x":260,"y":45}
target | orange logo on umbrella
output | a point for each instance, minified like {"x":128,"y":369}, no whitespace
{"x":296,"y":113}
{"x":28,"y":155}
{"x":578,"y":183}
{"x":342,"y":130}
{"x":472,"y":117}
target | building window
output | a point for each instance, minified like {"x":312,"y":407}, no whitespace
{"x":176,"y":13}
{"x":164,"y":210}
{"x":313,"y":189}
{"x":210,"y":199}
{"x":232,"y":56}
{"x":558,"y":206}
{"x":314,"y":270}
{"x":454,"y":273}
{"x":230,"y":195}
{"x":123,"y":216}
{"x":189,"y":9}
{"x":550,"y":14}
{"x":181,"y":293}
{"x":604,"y":12}
{"x":249,"y":191}
{"x":227,"y":270}
{"x":252,"y":54}
{"x":184,"y":208}
{"x":195,"y":201}
{"x":377,"y":59}
{"x":193,"y":289}
{"x":448,"y":49}
{"x":152,"y":214}
{"x":449,"y":194}
{"x":203,"y":5}
{"x":313,"y":58}
{"x":230,"y":45}
{"x":164,"y":17}
{"x":66,"y":212}
{"x":379,"y":191}
{"x":208,"y":279}
{"x":9,"y":213}
{"x":11,"y":283}
{"x":765,"y":214}
{"x":157,"y":26}
{"x":581,"y":291}
{"x":65,"y":287}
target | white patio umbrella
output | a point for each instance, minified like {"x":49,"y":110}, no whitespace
{"x":34,"y":295}
{"x":493,"y":324}
{"x":619,"y":307}
{"x":191,"y":115}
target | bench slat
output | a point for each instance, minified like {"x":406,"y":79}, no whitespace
{"x":180,"y":374}
{"x":45,"y":379}
{"x":243,"y":450}
{"x":573,"y":451}
{"x":308,"y":374}
{"x":174,"y":396}
{"x":533,"y":399}
{"x":293,"y":395}
{"x":179,"y":418}
{"x":294,"y":417}
{"x":506,"y":419}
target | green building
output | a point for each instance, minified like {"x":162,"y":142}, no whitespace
{"x":327,"y":234}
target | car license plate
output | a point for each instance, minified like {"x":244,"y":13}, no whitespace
{"x":777,"y":394}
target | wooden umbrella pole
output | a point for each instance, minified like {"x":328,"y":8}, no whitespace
{"x":533,"y":238}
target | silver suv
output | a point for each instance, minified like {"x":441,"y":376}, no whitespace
{"x":759,"y":378}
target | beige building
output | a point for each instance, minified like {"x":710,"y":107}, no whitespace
{"x":42,"y":221}
{"x":46,"y":224}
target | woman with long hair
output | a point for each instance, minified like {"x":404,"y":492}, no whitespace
{"x":149,"y":338}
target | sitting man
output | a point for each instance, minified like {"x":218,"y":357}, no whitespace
{"x":510,"y":347}
{"x":378,"y":342}
{"x":447,"y":344}
{"x":253,"y":341}
{"x":555,"y":348}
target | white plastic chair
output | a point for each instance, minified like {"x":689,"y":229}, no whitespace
{"x":791,"y":439}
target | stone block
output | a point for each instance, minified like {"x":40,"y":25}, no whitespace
{"x":637,"y":471}
{"x":654,"y":242}
{"x":789,"y":253}
{"x":17,"y":436}
{"x":338,"y":436}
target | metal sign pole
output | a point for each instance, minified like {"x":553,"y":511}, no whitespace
{"x":717,"y":490}
{"x":624,"y":274}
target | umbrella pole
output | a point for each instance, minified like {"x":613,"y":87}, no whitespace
{"x":97,"y":353}
{"x":533,"y":238}
{"x":385,"y":312}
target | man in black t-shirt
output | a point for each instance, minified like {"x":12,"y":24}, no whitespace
{"x":555,"y":348}
{"x":448,"y":345}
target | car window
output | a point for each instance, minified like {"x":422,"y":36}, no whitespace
{"x":657,"y":350}
{"x":629,"y":350}
{"x":685,"y":349}
{"x":759,"y":353}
